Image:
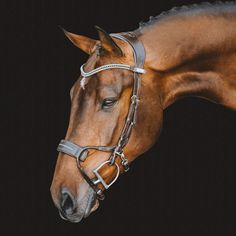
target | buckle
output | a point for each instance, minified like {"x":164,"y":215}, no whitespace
{"x":124,"y":160}
{"x":135,"y":100}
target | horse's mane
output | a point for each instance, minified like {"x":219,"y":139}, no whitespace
{"x":186,"y":9}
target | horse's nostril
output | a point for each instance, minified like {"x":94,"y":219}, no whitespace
{"x":67,"y":202}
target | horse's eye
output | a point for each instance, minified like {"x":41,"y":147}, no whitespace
{"x":108,"y":103}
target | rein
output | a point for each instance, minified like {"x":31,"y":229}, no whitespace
{"x":80,"y":152}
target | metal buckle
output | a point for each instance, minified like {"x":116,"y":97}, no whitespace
{"x":124,"y":160}
{"x":134,"y":99}
{"x":101,"y":180}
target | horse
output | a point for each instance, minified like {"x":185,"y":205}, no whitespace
{"x":129,"y":79}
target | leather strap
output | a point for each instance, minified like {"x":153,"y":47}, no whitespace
{"x":139,"y":59}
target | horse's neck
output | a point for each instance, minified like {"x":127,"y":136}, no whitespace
{"x":193,"y":55}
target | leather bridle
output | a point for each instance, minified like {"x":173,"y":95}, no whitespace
{"x":80,"y":152}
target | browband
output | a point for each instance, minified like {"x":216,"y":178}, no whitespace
{"x":110,"y":66}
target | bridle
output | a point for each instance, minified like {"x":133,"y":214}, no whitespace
{"x":80,"y":152}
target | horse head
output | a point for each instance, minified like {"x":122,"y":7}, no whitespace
{"x":101,"y":110}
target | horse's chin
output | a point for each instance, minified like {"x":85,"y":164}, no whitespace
{"x":91,"y":209}
{"x":86,"y":206}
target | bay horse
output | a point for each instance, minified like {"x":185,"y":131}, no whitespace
{"x":127,"y":82}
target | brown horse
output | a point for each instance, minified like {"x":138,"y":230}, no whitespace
{"x":190,"y":51}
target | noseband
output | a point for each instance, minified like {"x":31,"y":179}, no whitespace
{"x":80,"y":152}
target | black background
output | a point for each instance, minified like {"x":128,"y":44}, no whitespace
{"x":185,"y":185}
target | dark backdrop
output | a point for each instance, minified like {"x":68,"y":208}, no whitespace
{"x":184,"y":185}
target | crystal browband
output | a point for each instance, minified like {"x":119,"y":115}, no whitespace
{"x":110,"y":66}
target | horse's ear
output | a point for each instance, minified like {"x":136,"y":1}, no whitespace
{"x":82,"y":42}
{"x":107,"y":42}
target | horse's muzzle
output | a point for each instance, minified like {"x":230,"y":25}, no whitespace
{"x":74,"y":210}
